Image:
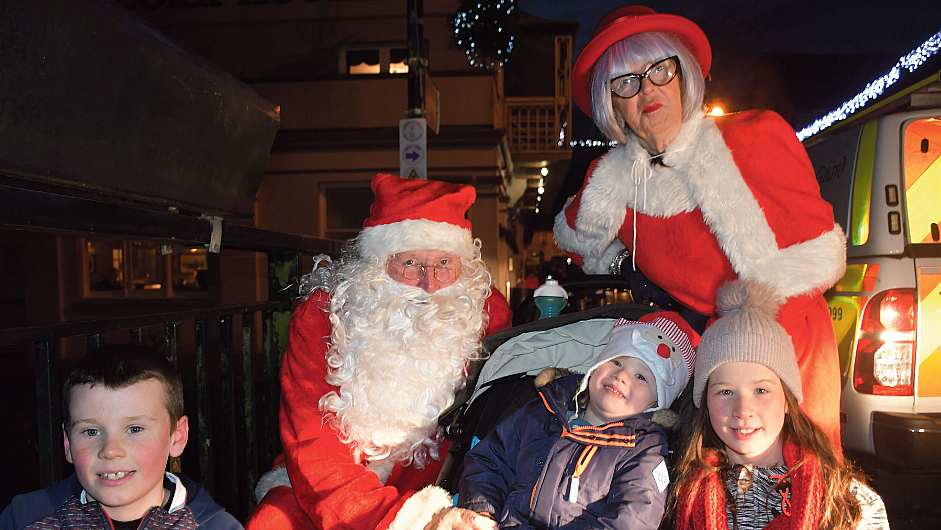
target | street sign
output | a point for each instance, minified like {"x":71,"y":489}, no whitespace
{"x":413,"y":147}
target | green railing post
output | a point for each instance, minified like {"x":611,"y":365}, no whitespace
{"x":283,"y":276}
{"x":247,"y":432}
{"x":47,"y":412}
{"x":203,"y":406}
{"x":226,"y":494}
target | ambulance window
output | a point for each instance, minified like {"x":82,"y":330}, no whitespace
{"x":834,"y":162}
{"x":922,"y":178}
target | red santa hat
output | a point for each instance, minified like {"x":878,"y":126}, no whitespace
{"x":664,"y":341}
{"x":414,"y":214}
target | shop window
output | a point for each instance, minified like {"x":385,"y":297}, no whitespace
{"x":362,"y":62}
{"x":139,"y":269}
{"x":374,"y":60}
{"x":398,"y":58}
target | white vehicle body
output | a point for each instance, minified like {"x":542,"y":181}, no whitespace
{"x":882,"y":174}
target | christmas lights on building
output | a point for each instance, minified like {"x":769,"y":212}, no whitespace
{"x":875,"y":88}
{"x":484,"y":30}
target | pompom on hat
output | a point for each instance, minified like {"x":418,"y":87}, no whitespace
{"x":747,"y":332}
{"x":624,"y":22}
{"x":414,"y":214}
{"x":664,"y":341}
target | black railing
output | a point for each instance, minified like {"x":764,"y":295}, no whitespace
{"x":244,"y":415}
{"x":229,"y":356}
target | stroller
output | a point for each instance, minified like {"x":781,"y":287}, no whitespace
{"x":504,"y":381}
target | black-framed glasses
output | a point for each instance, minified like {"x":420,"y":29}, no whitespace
{"x":659,"y":73}
{"x":416,"y":271}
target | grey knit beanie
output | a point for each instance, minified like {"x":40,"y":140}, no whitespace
{"x":746,"y":331}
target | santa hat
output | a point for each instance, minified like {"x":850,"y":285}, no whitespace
{"x":664,"y":341}
{"x":414,"y":214}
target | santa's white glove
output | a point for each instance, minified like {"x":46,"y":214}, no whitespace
{"x":460,"y":519}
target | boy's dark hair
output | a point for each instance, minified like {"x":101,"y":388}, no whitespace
{"x":117,"y":366}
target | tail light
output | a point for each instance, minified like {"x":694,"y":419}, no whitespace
{"x":885,"y":363}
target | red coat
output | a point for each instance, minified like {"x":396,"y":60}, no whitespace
{"x":736,"y":196}
{"x":329,"y":490}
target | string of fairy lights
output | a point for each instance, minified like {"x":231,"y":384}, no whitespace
{"x":875,"y":88}
{"x":484,"y":30}
{"x":871,"y":92}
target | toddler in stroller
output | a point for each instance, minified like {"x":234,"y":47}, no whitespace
{"x":590,"y":451}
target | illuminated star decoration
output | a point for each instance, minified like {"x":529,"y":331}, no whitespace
{"x":875,"y":88}
{"x":483,"y":28}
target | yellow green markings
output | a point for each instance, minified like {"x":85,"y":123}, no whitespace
{"x":844,"y":312}
{"x":862,"y":184}
{"x":929,"y":332}
{"x":924,"y":205}
{"x":845,"y":309}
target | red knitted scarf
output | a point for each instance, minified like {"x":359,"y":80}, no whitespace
{"x":701,"y":503}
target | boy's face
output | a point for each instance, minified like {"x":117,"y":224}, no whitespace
{"x":619,"y":388}
{"x":119,"y":442}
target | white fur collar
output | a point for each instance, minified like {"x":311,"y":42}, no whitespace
{"x":698,"y":172}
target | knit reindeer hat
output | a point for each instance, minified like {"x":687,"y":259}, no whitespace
{"x":414,"y":214}
{"x":664,"y":341}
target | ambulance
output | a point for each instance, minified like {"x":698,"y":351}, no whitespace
{"x":881,"y":171}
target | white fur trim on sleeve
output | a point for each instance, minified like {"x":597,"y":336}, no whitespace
{"x":602,"y":264}
{"x":272,"y":479}
{"x":579,"y":243}
{"x":420,"y":507}
{"x":805,"y":267}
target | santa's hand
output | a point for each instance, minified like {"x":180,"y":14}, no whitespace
{"x":460,"y":519}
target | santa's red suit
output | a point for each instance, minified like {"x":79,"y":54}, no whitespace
{"x":734,"y":197}
{"x":329,"y":489}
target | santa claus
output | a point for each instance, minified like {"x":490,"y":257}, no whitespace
{"x":376,"y":352}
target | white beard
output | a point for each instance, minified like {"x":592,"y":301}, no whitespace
{"x":398,"y":355}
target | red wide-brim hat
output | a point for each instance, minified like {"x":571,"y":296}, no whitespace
{"x":624,"y":22}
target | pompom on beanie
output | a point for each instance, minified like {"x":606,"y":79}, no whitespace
{"x":746,"y":332}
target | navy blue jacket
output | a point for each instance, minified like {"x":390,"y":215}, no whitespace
{"x":521,"y":473}
{"x":29,"y":508}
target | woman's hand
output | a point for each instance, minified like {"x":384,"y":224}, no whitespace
{"x":460,"y":519}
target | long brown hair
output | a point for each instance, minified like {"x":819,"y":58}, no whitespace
{"x":839,"y":508}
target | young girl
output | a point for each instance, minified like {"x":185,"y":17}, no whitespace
{"x":752,"y":458}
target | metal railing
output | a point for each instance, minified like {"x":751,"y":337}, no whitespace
{"x":229,"y":357}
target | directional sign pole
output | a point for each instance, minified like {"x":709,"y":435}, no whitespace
{"x":413,"y":143}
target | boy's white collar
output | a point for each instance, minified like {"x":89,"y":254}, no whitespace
{"x":177,"y":503}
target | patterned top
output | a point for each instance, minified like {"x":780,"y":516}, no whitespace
{"x":760,"y":497}
{"x":76,"y":515}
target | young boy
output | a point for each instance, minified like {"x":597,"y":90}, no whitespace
{"x":590,"y":453}
{"x":123,"y":417}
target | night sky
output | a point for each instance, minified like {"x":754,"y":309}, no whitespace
{"x":740,"y":31}
{"x":825,"y":50}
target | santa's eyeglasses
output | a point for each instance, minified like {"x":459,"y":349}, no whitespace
{"x":415,"y":271}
